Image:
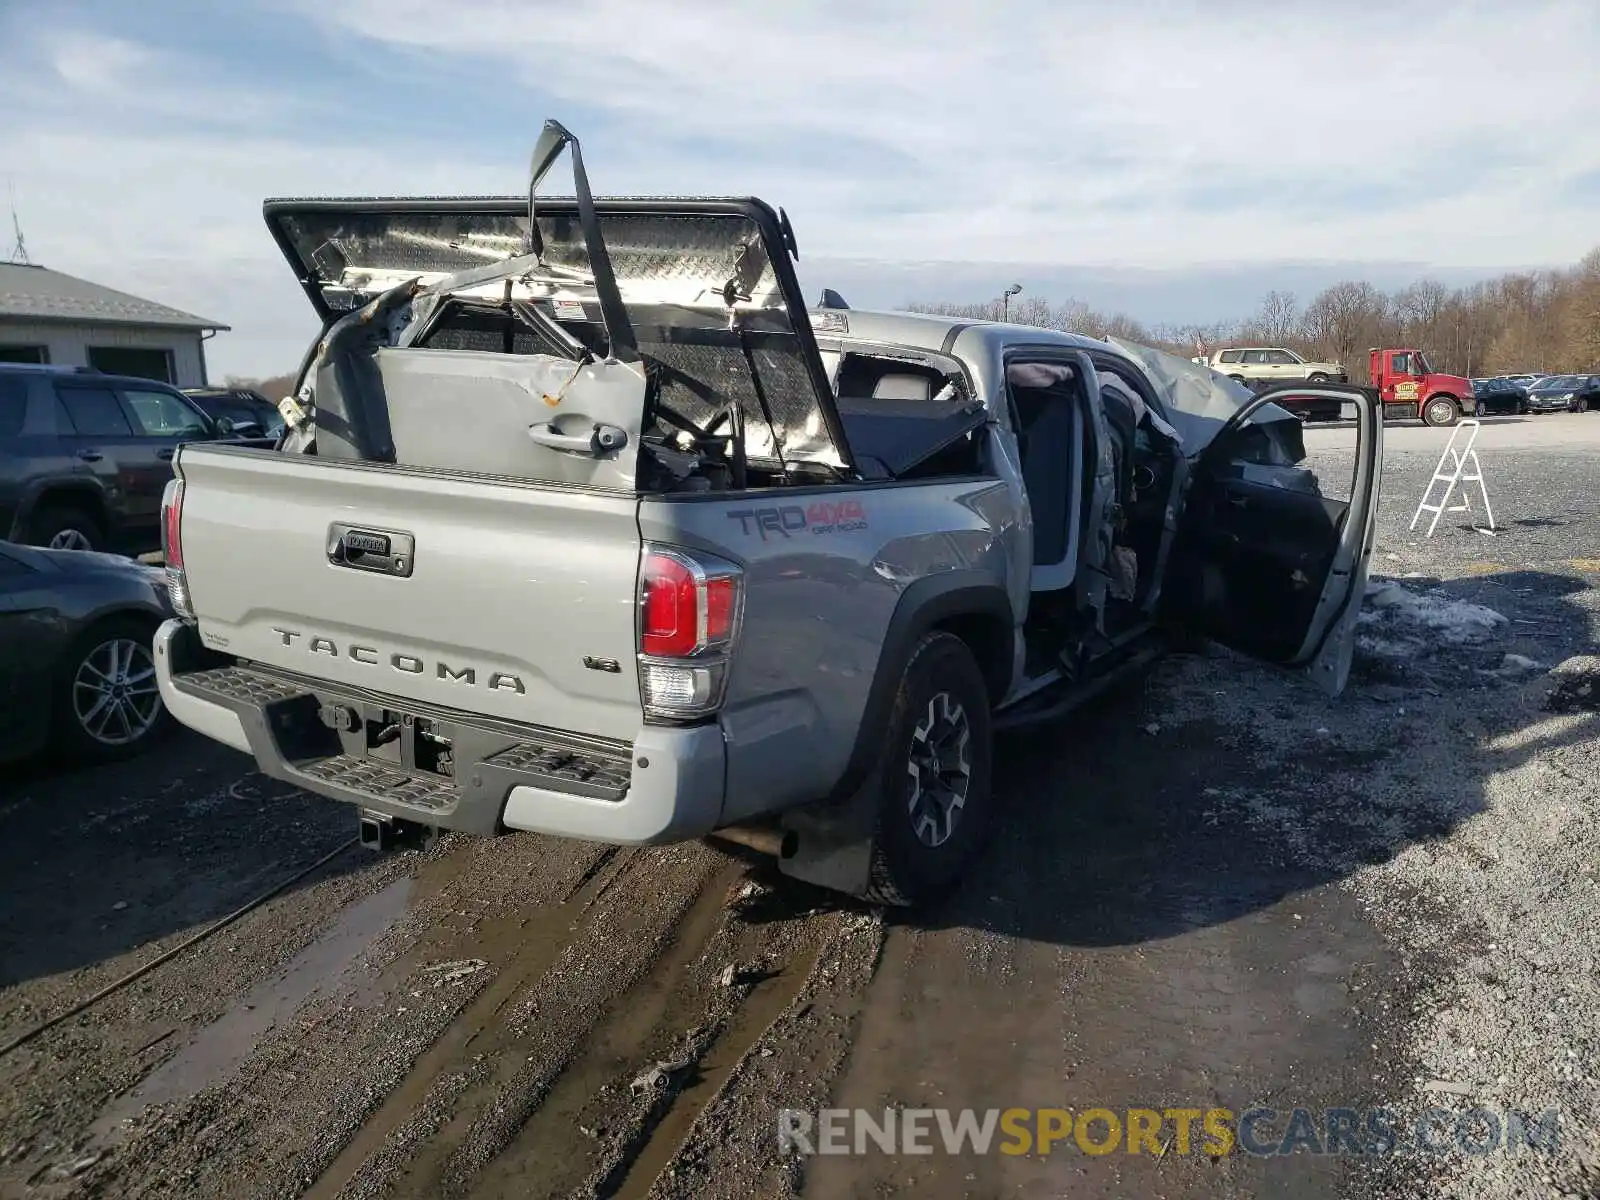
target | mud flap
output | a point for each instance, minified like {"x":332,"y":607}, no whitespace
{"x":834,"y":840}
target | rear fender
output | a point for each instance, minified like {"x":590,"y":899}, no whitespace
{"x":834,"y":842}
{"x":81,"y":493}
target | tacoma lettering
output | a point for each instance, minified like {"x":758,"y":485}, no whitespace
{"x":406,"y":664}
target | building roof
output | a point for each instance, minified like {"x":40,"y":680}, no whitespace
{"x":34,"y":293}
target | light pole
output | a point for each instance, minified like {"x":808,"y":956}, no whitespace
{"x":1005,"y":300}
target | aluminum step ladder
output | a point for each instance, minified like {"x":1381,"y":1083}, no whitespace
{"x":1460,"y":475}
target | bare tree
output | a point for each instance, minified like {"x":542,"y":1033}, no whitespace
{"x":1277,"y":321}
{"x":1344,"y":320}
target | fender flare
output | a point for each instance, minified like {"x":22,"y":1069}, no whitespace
{"x":924,"y":605}
{"x":41,"y":492}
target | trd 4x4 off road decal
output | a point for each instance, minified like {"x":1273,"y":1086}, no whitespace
{"x":787,"y":520}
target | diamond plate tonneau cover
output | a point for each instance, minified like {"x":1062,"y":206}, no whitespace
{"x":707,"y":283}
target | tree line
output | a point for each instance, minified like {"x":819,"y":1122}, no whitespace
{"x":1521,"y":321}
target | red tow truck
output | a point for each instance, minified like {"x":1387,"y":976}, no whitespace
{"x":1403,"y":382}
{"x":1410,"y":389}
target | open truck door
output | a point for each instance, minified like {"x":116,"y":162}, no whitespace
{"x":1267,"y":562}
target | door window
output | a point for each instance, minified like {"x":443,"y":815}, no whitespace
{"x":1280,"y":358}
{"x":1256,"y":358}
{"x":1400,"y":364}
{"x":94,"y":411}
{"x":161,"y":414}
{"x":13,"y":406}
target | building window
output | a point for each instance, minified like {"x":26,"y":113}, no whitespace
{"x":127,"y":360}
{"x":25,"y":354}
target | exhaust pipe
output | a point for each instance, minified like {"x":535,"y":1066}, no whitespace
{"x":764,"y":839}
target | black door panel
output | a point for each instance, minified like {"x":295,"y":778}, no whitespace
{"x":1253,"y":561}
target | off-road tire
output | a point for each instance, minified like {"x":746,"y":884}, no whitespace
{"x":1441,"y":405}
{"x":57,"y":522}
{"x":74,"y":743}
{"x":907,"y":870}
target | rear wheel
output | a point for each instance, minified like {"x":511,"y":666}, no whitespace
{"x":1441,"y":412}
{"x":935,"y":809}
{"x":107,"y":704}
{"x":65,"y":527}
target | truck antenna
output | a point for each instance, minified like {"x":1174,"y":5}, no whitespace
{"x":19,"y":248}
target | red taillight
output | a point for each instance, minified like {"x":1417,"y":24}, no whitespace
{"x":171,"y":525}
{"x":722,"y":603}
{"x":689,"y":603}
{"x":671,"y":627}
{"x":688,"y":619}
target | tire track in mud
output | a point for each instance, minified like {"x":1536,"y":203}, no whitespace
{"x":709,"y":997}
{"x":274,"y":1123}
{"x":527,"y":956}
{"x":730,"y":1148}
{"x":550,"y":1154}
{"x":479,"y":1092}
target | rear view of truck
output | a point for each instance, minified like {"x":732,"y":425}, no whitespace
{"x":437,"y":602}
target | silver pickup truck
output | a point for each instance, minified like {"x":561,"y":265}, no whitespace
{"x":587,"y":526}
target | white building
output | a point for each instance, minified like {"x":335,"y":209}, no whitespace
{"x":48,"y":317}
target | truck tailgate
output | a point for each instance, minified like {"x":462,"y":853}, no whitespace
{"x":509,"y":600}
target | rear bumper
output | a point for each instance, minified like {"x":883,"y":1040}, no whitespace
{"x":666,"y":786}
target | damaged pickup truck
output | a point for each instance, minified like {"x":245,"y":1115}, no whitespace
{"x":586,"y":525}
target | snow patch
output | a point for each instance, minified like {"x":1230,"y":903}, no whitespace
{"x":1399,"y":623}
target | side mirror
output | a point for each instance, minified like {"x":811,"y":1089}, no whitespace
{"x":225,"y":426}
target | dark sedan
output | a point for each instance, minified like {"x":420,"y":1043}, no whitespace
{"x":1565,"y":393}
{"x":76,"y":672}
{"x":1499,"y":395}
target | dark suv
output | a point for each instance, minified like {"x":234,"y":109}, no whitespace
{"x":84,"y":456}
{"x":249,"y":412}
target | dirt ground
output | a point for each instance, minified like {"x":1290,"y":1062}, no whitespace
{"x":1217,"y":889}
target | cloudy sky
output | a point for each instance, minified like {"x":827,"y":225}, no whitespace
{"x":1175,"y":159}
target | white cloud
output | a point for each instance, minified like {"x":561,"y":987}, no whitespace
{"x":1090,"y":132}
{"x":1161,"y":135}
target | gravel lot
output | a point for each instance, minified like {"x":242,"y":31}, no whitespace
{"x":1218,"y":888}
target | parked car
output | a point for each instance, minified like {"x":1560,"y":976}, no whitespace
{"x":1274,"y":364}
{"x":77,"y":671}
{"x":1499,"y":395}
{"x":242,"y":412}
{"x":84,"y":456}
{"x":1565,"y":393}
{"x":702,"y":562}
